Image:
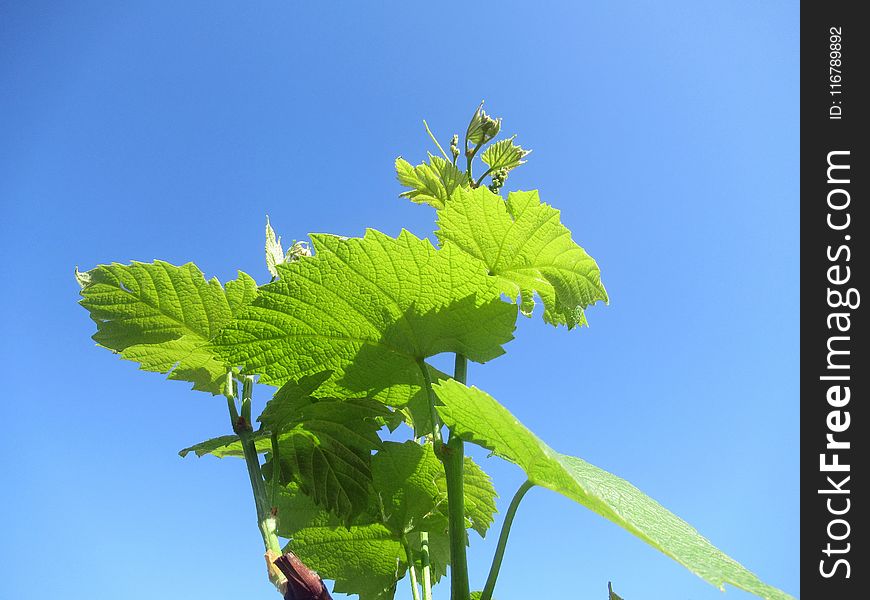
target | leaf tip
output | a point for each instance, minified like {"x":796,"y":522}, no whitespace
{"x":83,"y":278}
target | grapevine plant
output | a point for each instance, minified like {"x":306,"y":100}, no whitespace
{"x":343,"y":330}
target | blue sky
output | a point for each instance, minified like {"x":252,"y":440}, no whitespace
{"x":666,"y":132}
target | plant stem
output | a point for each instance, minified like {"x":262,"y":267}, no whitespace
{"x":433,"y":414}
{"x":453,"y":458}
{"x":482,"y":177}
{"x":434,"y":139}
{"x":469,"y":160}
{"x":424,"y":563}
{"x":241,"y":423}
{"x":276,"y":470}
{"x":460,"y":368}
{"x":454,"y":469}
{"x":489,"y":588}
{"x":412,"y":572}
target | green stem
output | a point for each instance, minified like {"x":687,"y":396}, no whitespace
{"x":426,"y":125}
{"x":482,"y":177}
{"x":412,"y":571}
{"x":276,"y":470}
{"x":241,"y":423}
{"x":424,"y":563}
{"x":452,"y":455}
{"x":469,"y":160}
{"x":460,"y":369}
{"x":503,"y":539}
{"x":454,"y":470}
{"x":433,"y":414}
{"x":453,"y":458}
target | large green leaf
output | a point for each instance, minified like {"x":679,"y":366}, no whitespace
{"x":327,"y":451}
{"x":363,"y":559}
{"x":162,"y":316}
{"x":524,"y":245}
{"x":478,"y":418}
{"x":431,"y":183}
{"x":405,"y":476}
{"x":369,"y":309}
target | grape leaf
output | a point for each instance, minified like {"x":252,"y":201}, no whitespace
{"x":162,"y":316}
{"x":439,"y":553}
{"x":284,"y":407}
{"x":369,"y":309}
{"x":363,"y":559}
{"x":295,"y":511}
{"x":480,"y":419}
{"x":225,"y":445}
{"x":480,"y":496}
{"x":324,"y":446}
{"x":327,"y":451}
{"x":431,"y":183}
{"x":504,"y":155}
{"x":405,"y":477}
{"x":412,"y":487}
{"x":525,"y":246}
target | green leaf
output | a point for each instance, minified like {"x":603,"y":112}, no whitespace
{"x":324,"y":445}
{"x":524,"y":245}
{"x":431,"y":183}
{"x":412,"y":487}
{"x":364,"y":559}
{"x":405,"y":476}
{"x":504,"y":155}
{"x":225,"y":445}
{"x":480,"y":497}
{"x":162,"y":316}
{"x":228,"y":445}
{"x":296,"y":511}
{"x":439,"y":553}
{"x":327,"y":450}
{"x":369,"y":309}
{"x":287,"y":403}
{"x":480,"y":419}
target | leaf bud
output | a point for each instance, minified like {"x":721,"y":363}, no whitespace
{"x":454,"y":146}
{"x":297,"y":251}
{"x":482,"y":127}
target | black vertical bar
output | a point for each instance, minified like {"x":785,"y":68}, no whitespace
{"x":834,"y":361}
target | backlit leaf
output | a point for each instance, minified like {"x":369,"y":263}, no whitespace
{"x":504,"y":154}
{"x":365,"y":559}
{"x":480,"y":419}
{"x":369,"y":310}
{"x":524,"y":245}
{"x":162,"y":316}
{"x":431,"y":183}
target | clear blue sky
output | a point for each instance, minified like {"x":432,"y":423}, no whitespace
{"x":666,"y":132}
